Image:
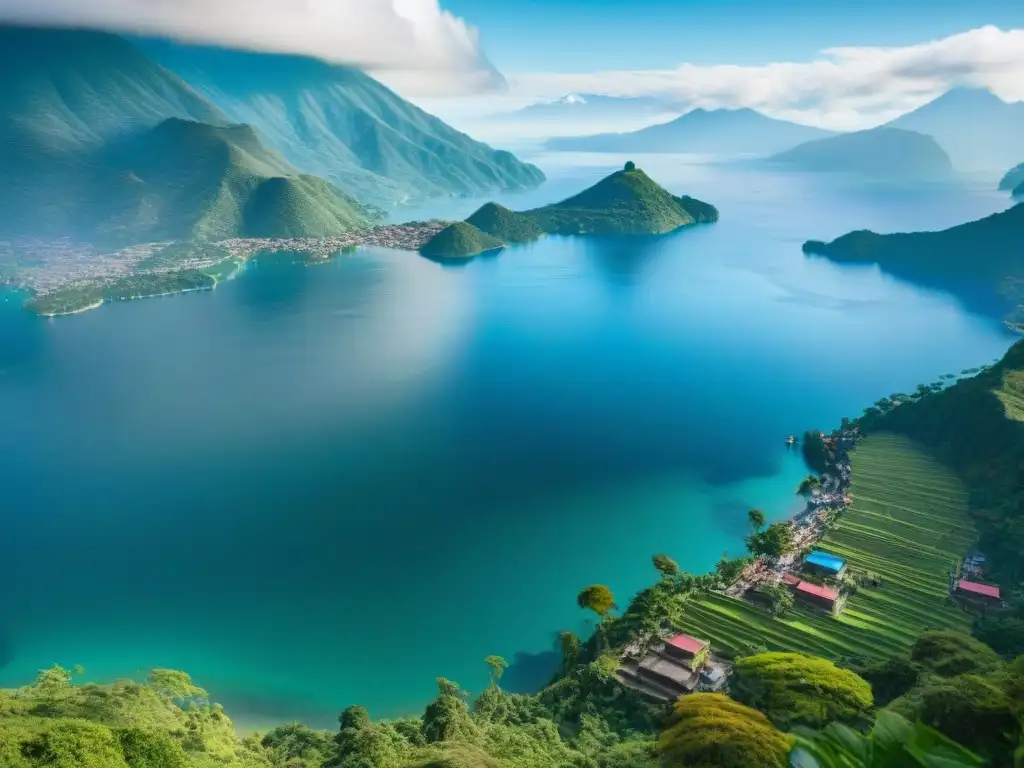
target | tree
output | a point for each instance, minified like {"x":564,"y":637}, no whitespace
{"x":149,"y":748}
{"x":598,"y":598}
{"x":630,"y":166}
{"x":668,"y":567}
{"x":794,"y":689}
{"x":808,"y":485}
{"x":570,"y":647}
{"x":780,"y":599}
{"x":728,"y":570}
{"x":953,"y":653}
{"x":892,"y":743}
{"x":447,"y":717}
{"x":773,"y":542}
{"x":891,"y":678}
{"x":756,"y":519}
{"x":970,"y":710}
{"x":497,"y":666}
{"x":814,"y":450}
{"x":710,"y":730}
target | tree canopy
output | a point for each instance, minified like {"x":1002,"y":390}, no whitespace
{"x":710,"y":730}
{"x":773,"y":542}
{"x":793,"y":689}
{"x":598,"y":598}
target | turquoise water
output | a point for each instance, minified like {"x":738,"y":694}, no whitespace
{"x":318,"y":486}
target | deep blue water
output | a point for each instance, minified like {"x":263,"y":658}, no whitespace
{"x":318,"y":486}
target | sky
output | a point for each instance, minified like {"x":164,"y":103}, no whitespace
{"x":837,"y":65}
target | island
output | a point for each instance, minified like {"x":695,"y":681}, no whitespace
{"x":627,"y":202}
{"x":879,"y":153}
{"x":987,"y":250}
{"x":460,"y":240}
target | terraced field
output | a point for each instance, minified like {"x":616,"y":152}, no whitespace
{"x":908,"y":523}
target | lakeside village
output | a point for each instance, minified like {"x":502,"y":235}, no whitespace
{"x":675,"y":664}
{"x":43,"y":267}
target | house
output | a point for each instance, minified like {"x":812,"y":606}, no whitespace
{"x":977,"y":593}
{"x":669,"y":669}
{"x":790,"y":580}
{"x":688,"y":650}
{"x":824,"y":564}
{"x":821,"y":596}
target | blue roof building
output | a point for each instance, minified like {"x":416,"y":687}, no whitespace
{"x":825,"y":563}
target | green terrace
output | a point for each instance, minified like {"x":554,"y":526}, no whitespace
{"x":908,"y":525}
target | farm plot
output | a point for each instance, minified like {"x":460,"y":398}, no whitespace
{"x":908,"y":525}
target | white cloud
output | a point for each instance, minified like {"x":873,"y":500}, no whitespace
{"x":845,"y":88}
{"x":413,"y":44}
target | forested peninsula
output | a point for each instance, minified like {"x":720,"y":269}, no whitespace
{"x":628,"y":202}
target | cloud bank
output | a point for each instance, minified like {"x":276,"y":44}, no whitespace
{"x":412,"y":44}
{"x":845,"y":88}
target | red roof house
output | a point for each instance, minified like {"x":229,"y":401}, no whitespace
{"x":790,"y":580}
{"x":690,"y":645}
{"x":976,"y":590}
{"x":823,"y":597}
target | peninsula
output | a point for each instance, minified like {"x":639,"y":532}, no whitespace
{"x":986,"y":250}
{"x":628,"y":202}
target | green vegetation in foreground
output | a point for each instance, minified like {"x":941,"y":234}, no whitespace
{"x":460,"y":240}
{"x":628,"y":202}
{"x":908,"y":522}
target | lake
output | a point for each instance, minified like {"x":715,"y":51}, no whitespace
{"x":320,"y":486}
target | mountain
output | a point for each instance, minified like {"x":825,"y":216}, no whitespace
{"x":336,"y":122}
{"x":1013,"y":181}
{"x":460,"y":240}
{"x":713,"y":132}
{"x":62,"y":91}
{"x":587,"y":106}
{"x":510,"y":226}
{"x":184,"y":180}
{"x":884,"y":153}
{"x":627,"y":202}
{"x":977,"y":129}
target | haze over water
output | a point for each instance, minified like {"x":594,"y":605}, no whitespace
{"x":321,"y":486}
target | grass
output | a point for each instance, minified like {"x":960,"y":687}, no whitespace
{"x":908,"y":523}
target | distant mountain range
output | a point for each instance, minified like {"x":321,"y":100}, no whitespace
{"x":588,"y":106}
{"x":701,"y":131}
{"x":627,"y":202}
{"x":98,"y":139}
{"x":879,"y":153}
{"x":977,"y":129}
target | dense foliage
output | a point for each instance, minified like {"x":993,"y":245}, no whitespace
{"x":793,"y":689}
{"x":710,"y":730}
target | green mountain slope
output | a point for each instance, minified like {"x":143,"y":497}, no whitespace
{"x":65,"y":90}
{"x":343,"y":125}
{"x":506,"y":225}
{"x":887,"y":153}
{"x":976,"y":427}
{"x":460,"y":240}
{"x":189,"y":180}
{"x":626,"y":202}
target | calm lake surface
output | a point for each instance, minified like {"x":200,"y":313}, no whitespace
{"x":319,"y":486}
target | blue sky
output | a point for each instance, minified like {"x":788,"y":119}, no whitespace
{"x":583,"y":35}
